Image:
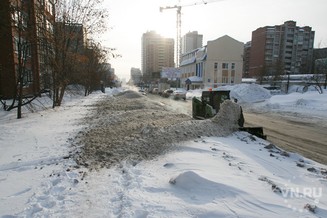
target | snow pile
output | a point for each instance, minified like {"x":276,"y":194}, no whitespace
{"x":130,"y":127}
{"x":228,"y":115}
{"x":249,"y":93}
{"x":194,"y":93}
{"x":300,"y":88}
{"x":303,"y":103}
{"x":129,"y":94}
{"x":204,"y":190}
{"x":244,"y":93}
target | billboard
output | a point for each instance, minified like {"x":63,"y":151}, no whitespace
{"x":171,"y":73}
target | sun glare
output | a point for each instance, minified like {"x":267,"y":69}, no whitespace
{"x":166,"y":24}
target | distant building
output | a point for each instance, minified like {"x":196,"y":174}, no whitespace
{"x":191,"y":41}
{"x":218,"y":63}
{"x":157,"y":52}
{"x":281,"y":49}
{"x":136,"y":75}
{"x":26,"y":33}
{"x":246,"y":59}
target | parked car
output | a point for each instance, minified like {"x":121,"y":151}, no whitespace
{"x":155,"y":91}
{"x":179,"y":94}
{"x":167,"y":93}
{"x":142,"y":91}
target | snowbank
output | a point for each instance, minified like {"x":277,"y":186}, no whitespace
{"x":308,"y":104}
{"x":249,"y":93}
{"x":244,"y":93}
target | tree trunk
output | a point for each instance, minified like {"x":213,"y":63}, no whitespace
{"x":61,"y":94}
{"x":20,"y":101}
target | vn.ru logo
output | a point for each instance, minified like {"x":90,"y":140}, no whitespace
{"x":311,"y":196}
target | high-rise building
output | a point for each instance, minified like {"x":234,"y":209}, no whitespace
{"x":136,"y":75}
{"x":25,"y":41}
{"x":157,"y":52}
{"x":191,"y":41}
{"x":281,"y":49}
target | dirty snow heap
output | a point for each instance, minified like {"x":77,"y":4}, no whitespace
{"x":130,"y":127}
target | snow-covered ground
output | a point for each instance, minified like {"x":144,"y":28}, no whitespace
{"x":234,"y":176}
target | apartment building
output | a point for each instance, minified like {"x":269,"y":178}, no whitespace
{"x":157,"y":53}
{"x":281,"y":49}
{"x":218,"y":63}
{"x":191,"y":41}
{"x":26,"y":27}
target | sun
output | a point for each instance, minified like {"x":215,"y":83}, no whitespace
{"x":166,"y":24}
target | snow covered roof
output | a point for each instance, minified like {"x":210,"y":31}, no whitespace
{"x":188,"y":61}
{"x":193,"y":79}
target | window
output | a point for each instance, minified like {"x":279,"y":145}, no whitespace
{"x":225,"y":65}
{"x":49,"y":7}
{"x":49,"y":26}
{"x":216,"y":66}
{"x":233,"y":66}
{"x":27,"y":77}
{"x":225,"y":77}
{"x":16,"y":46}
{"x":20,"y":19}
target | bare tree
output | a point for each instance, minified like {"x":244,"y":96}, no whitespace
{"x":261,"y":74}
{"x":93,"y":70}
{"x":75,"y":21}
{"x":279,"y":71}
{"x":320,"y":70}
{"x":20,"y":31}
{"x":320,"y":76}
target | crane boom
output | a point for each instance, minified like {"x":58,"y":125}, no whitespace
{"x":179,"y":26}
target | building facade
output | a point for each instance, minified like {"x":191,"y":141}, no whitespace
{"x":246,"y":59}
{"x":157,"y":52}
{"x":136,"y":76}
{"x":281,"y":49}
{"x":218,"y":63}
{"x":191,"y":41}
{"x":26,"y":32}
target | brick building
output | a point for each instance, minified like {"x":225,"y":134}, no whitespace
{"x":26,"y":27}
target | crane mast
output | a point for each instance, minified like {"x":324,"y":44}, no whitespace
{"x":179,"y":27}
{"x":178,"y":36}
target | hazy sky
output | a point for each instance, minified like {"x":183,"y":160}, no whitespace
{"x":129,"y":19}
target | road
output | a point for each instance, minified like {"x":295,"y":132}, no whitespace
{"x":305,"y":136}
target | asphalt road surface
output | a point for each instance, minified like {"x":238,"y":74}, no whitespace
{"x":304,"y":136}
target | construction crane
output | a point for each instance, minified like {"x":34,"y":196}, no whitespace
{"x":179,"y":25}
